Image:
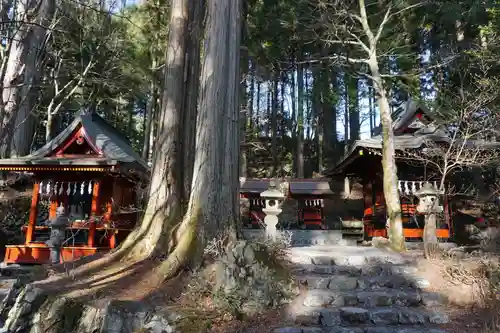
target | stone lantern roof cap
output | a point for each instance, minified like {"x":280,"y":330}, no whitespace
{"x":426,"y":190}
{"x":272,"y":192}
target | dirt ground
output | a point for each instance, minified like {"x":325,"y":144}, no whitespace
{"x":470,"y":308}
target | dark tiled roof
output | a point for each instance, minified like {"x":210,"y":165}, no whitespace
{"x":312,"y":187}
{"x":114,"y":146}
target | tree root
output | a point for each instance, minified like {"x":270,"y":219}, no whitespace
{"x":187,"y":246}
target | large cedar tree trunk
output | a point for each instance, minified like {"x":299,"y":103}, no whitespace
{"x":300,"y":121}
{"x":150,"y":110}
{"x":163,"y":210}
{"x":190,"y":106}
{"x":274,"y":122}
{"x":245,"y":99}
{"x":211,"y":210}
{"x":22,"y":73}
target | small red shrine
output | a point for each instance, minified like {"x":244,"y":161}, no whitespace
{"x":309,"y":194}
{"x":251,"y":189}
{"x":413,"y":127}
{"x":90,"y":169}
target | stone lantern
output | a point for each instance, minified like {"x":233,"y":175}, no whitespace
{"x":428,"y":204}
{"x":428,"y":199}
{"x":273,"y":200}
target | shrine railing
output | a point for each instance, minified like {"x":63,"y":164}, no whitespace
{"x":410,"y":187}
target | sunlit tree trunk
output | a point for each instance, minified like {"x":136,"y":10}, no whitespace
{"x":190,"y":106}
{"x":390,"y":177}
{"x":212,"y":211}
{"x":163,"y":210}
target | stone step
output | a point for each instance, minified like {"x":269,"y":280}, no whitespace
{"x":299,"y":238}
{"x":393,"y":315}
{"x":345,"y":255}
{"x":368,"y":299}
{"x":351,"y":282}
{"x":365,"y":270}
{"x":381,"y":329}
{"x":368,"y":270}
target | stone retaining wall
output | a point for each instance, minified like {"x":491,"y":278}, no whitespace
{"x":34,"y":311}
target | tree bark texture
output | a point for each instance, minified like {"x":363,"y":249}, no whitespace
{"x":210,"y":213}
{"x":245,"y":100}
{"x":163,"y":210}
{"x":354,"y":124}
{"x":300,"y":121}
{"x":150,"y":110}
{"x":390,"y":177}
{"x":274,"y":122}
{"x":21,"y":76}
{"x":190,"y":106}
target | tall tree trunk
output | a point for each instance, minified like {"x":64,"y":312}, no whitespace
{"x":354,"y":126}
{"x":190,"y":104}
{"x":370,"y":108}
{"x":274,"y":121}
{"x":300,"y":121}
{"x":390,"y":177}
{"x":317,"y":107}
{"x":283,"y":123}
{"x":244,"y":102}
{"x":251,"y":98}
{"x":130,"y":121}
{"x":293,"y":121}
{"x":347,"y":102}
{"x":230,"y":195}
{"x":257,"y":110}
{"x":373,"y":98}
{"x":269,"y":94}
{"x":22,"y":73}
{"x":208,"y":209}
{"x":329,"y":115}
{"x":163,"y":210}
{"x":150,"y":109}
{"x":391,"y":193}
{"x":308,"y":104}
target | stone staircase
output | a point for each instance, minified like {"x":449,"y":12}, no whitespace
{"x":349,"y":289}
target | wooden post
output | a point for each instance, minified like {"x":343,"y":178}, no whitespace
{"x":347,"y":188}
{"x":33,"y":211}
{"x":447,"y":213}
{"x":94,"y":212}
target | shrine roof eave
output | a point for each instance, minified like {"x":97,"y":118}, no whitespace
{"x":310,"y":188}
{"x":72,"y":164}
{"x":110,"y":143}
{"x":60,"y":161}
{"x":374,"y":143}
{"x":401,"y":143}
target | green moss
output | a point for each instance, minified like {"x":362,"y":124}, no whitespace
{"x":59,"y":315}
{"x":192,"y":320}
{"x":270,"y":260}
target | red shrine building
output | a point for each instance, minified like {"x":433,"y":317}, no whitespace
{"x":90,"y":169}
{"x":413,"y":127}
{"x":308,"y":194}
